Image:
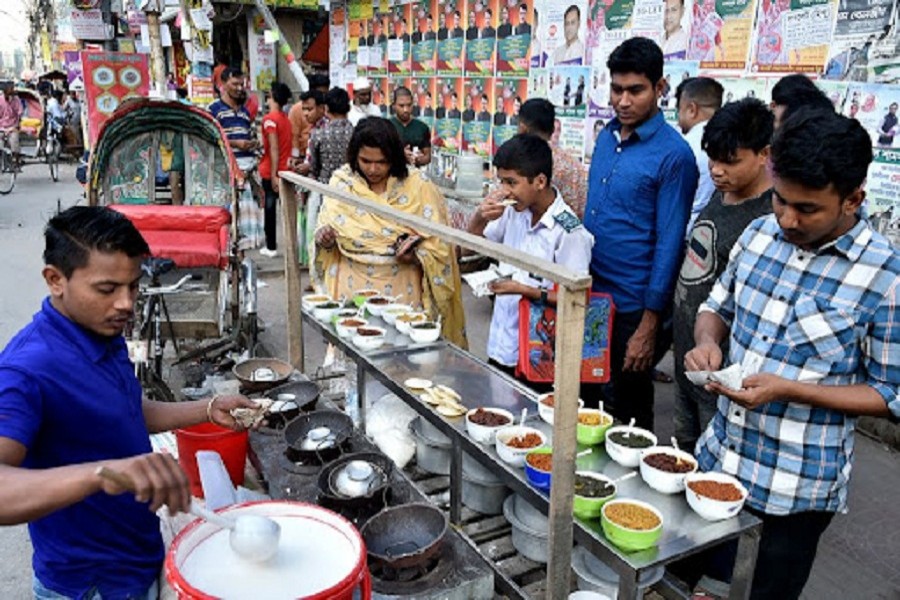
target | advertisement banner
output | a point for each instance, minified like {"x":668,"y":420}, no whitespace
{"x":858,"y":23}
{"x":477,"y":116}
{"x":721,"y":31}
{"x":261,"y":55}
{"x":200,"y":90}
{"x":89,"y":25}
{"x":74,"y":72}
{"x":792,"y":37}
{"x":109,"y":78}
{"x":883,"y":194}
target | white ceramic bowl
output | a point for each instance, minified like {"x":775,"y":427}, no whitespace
{"x":708,"y":508}
{"x":369,"y":342}
{"x":664,"y":481}
{"x":392,"y":311}
{"x":546,"y":412}
{"x":310,"y":301}
{"x":403,"y":326}
{"x":343,"y":313}
{"x":515,"y":456}
{"x":348,"y":331}
{"x":377,"y":307}
{"x":424,"y":335}
{"x":484,"y":433}
{"x":625,"y":456}
{"x":323,"y":313}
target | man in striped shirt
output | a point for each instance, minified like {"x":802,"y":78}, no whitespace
{"x":231,"y":112}
{"x":809,"y":302}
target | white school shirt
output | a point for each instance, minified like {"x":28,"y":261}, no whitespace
{"x":558,"y":237}
{"x":705,"y":186}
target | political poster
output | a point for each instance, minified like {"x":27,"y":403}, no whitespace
{"x":835,"y":90}
{"x":74,"y":74}
{"x":509,"y":94}
{"x":721,"y":33}
{"x":422,"y":89}
{"x":481,"y":38}
{"x":594,"y":124}
{"x":883,"y":194}
{"x":514,"y":37}
{"x":562,"y":31}
{"x":376,"y":43}
{"x":477,"y":115}
{"x":262,"y":57}
{"x":674,"y":73}
{"x":792,"y":38}
{"x":448,"y":113}
{"x":450,"y":37}
{"x":571,"y":135}
{"x":399,"y":40}
{"x":859,"y":23}
{"x":875,"y":106}
{"x":424,"y":37}
{"x":676,"y":28}
{"x":381,"y":96}
{"x":109,"y":78}
{"x":567,"y":90}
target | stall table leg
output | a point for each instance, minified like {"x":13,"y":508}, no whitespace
{"x":745,"y":564}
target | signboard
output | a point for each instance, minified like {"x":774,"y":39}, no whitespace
{"x":89,"y":25}
{"x":109,"y":78}
{"x":262,"y":55}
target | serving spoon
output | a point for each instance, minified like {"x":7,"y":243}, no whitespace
{"x":252,"y":537}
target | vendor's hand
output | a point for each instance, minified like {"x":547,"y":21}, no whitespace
{"x":503,"y":287}
{"x":326,"y":237}
{"x":157,"y":478}
{"x":639,"y":350}
{"x":703,"y":357}
{"x":220,"y":411}
{"x":410,"y":157}
{"x":758,"y":389}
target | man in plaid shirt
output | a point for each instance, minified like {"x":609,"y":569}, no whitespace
{"x":810,"y":302}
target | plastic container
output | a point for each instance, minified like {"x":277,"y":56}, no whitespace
{"x":231,"y":446}
{"x":470,"y":173}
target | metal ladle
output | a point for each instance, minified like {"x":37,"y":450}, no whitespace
{"x":252,"y":537}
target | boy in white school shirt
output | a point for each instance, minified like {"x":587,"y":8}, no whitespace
{"x":530,"y":216}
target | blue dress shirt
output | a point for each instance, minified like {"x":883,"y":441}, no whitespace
{"x":640,"y":193}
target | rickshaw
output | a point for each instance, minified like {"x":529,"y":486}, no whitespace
{"x":167,"y":167}
{"x":38,"y":138}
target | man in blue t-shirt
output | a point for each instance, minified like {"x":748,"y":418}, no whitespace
{"x":70,"y":403}
{"x":230,"y":110}
{"x":640,"y":189}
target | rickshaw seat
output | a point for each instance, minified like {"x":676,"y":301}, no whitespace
{"x":192,"y":236}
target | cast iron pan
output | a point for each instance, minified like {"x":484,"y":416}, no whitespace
{"x":295,"y":432}
{"x":375,"y":493}
{"x":404,"y":536}
{"x":306,"y":395}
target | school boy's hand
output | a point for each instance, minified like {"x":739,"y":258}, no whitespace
{"x":491,"y":208}
{"x":507,"y":286}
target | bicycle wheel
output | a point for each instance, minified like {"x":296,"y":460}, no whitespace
{"x":53,"y":157}
{"x":7,"y":172}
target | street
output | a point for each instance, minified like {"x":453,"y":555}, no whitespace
{"x":859,"y":556}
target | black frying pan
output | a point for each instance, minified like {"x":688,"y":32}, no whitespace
{"x":404,"y":536}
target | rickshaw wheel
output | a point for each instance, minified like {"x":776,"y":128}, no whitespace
{"x":7,"y":172}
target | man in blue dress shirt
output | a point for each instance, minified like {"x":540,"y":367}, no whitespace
{"x":640,"y":189}
{"x":70,"y":403}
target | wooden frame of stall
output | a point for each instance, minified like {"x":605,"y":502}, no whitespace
{"x":570,"y":306}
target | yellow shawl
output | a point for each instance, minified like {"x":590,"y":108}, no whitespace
{"x":364,"y":243}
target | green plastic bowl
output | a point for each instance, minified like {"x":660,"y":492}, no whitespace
{"x":587,"y":507}
{"x":592,"y":435}
{"x":630,"y":540}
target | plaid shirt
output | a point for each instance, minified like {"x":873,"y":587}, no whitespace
{"x":829,"y":317}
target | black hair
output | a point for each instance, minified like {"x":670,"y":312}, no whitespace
{"x":318,"y":80}
{"x":338,"y":101}
{"x":401,"y":91}
{"x":570,"y":9}
{"x":796,"y":90}
{"x":57,"y":94}
{"x":375,"y":132}
{"x":705,"y":91}
{"x":746,"y":124}
{"x":315,"y":95}
{"x":817,"y":147}
{"x":281,"y":93}
{"x":73,"y":234}
{"x":182,"y":93}
{"x":230,"y":72}
{"x":526,"y":154}
{"x":538,"y":114}
{"x":638,"y":55}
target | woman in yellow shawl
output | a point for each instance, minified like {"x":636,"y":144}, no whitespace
{"x":356,"y":250}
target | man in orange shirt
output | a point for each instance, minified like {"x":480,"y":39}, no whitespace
{"x":301,"y":127}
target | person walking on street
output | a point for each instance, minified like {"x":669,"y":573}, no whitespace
{"x":276,"y":137}
{"x":70,"y":403}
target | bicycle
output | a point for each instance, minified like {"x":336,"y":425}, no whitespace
{"x":145,"y":335}
{"x":7,"y":165}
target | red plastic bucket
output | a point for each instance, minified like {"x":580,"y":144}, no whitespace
{"x":321,"y":556}
{"x":231,"y":446}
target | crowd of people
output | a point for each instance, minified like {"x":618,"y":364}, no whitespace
{"x":740,"y":240}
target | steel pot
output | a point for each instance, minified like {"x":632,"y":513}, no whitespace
{"x":432,"y":456}
{"x":596,"y":576}
{"x":529,"y":543}
{"x":303,"y":435}
{"x":404,"y":536}
{"x":486,"y":498}
{"x":477,"y":472}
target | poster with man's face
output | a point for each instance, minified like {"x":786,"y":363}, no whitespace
{"x":448,"y":113}
{"x":562,"y":33}
{"x":477,"y":115}
{"x":424,"y":37}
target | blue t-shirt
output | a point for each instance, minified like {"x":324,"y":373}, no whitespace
{"x":236,"y":122}
{"x":70,"y":396}
{"x":640,"y":193}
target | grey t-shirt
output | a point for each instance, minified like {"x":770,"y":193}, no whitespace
{"x":716,"y":230}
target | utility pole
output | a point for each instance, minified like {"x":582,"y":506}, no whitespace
{"x":283,"y":47}
{"x":153,"y":8}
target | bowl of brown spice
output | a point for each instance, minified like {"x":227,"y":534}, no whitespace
{"x":663,"y":468}
{"x":514,"y":442}
{"x":631,"y":524}
{"x":714,"y":496}
{"x":484,"y":423}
